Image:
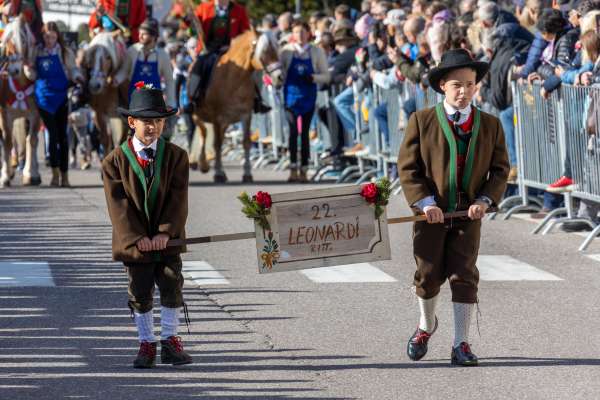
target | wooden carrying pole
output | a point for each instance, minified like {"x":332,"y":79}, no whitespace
{"x":251,"y":235}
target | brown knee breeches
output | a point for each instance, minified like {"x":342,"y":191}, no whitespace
{"x":142,"y":278}
{"x":447,"y":251}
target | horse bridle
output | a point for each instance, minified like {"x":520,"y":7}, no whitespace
{"x":269,"y":69}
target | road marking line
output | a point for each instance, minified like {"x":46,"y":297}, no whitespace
{"x":354,"y":273}
{"x":202,"y":273}
{"x":506,"y":268}
{"x":21,"y":274}
{"x":595,"y":257}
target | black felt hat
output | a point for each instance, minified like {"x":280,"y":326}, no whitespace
{"x":452,"y":60}
{"x":147,"y":103}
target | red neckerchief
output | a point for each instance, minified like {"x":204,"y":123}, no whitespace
{"x":466,"y":126}
{"x":143,"y":163}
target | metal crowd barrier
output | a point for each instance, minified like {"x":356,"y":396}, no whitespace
{"x":551,"y":140}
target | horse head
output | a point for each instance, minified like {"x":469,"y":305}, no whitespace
{"x":17,"y":45}
{"x":100,"y":60}
{"x":266,"y":55}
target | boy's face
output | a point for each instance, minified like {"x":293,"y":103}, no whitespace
{"x":147,"y":130}
{"x":459,"y":86}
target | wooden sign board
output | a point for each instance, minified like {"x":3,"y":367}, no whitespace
{"x":321,"y":228}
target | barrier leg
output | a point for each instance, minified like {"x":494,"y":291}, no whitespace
{"x":347,"y":172}
{"x":551,"y":214}
{"x":557,"y":221}
{"x":367,"y":175}
{"x":589,"y":238}
{"x":321,"y":173}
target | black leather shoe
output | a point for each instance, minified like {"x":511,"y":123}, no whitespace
{"x":462,"y":356}
{"x":417,"y":344}
{"x":146,"y":357}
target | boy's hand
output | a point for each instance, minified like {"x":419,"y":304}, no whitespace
{"x":144,"y":244}
{"x":477,"y":210}
{"x":159,"y":242}
{"x":434,"y":215}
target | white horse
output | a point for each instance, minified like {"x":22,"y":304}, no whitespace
{"x":102,"y":60}
{"x":19,"y":117}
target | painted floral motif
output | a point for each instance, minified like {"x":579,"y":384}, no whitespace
{"x":270,"y":254}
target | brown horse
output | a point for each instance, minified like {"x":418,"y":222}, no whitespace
{"x":101,"y":61}
{"x":230,"y":95}
{"x":19,"y":117}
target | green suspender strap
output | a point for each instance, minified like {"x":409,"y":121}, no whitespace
{"x":449,"y":134}
{"x":151,"y":194}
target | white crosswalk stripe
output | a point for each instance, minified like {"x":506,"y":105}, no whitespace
{"x":202,"y":273}
{"x":595,"y":257}
{"x":355,"y":273}
{"x":507,"y":268}
{"x":22,"y":274}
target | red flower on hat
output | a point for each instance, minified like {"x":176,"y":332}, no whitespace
{"x":139,"y":85}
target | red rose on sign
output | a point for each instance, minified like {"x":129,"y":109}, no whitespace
{"x":264,"y":199}
{"x":369,"y":192}
{"x":140,"y":84}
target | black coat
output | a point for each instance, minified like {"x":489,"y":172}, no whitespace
{"x":496,"y":87}
{"x":563,"y":54}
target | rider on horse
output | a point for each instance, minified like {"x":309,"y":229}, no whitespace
{"x":222,"y":21}
{"x":31,"y":9}
{"x":131,"y":13}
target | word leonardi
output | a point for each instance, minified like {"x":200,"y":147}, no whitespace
{"x":326,"y":233}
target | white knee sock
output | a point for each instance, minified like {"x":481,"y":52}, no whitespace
{"x":169,"y":321}
{"x":145,"y":326}
{"x":462,"y":322}
{"x":427,"y":320}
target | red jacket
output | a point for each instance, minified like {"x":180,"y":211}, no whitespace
{"x":135,"y":17}
{"x":239,"y":21}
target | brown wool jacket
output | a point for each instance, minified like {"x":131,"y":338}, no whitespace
{"x":427,"y":159}
{"x":166,"y":203}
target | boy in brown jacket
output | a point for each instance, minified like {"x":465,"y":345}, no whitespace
{"x":453,"y":158}
{"x":146,"y":183}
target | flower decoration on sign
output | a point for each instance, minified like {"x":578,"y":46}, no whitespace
{"x":139,"y":85}
{"x":270,"y":254}
{"x":257,"y":207}
{"x":378,"y":194}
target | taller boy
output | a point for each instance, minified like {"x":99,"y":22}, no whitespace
{"x":453,"y":158}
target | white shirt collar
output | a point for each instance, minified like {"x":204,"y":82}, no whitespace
{"x":138,"y":146}
{"x":464,"y":112}
{"x":301,"y":50}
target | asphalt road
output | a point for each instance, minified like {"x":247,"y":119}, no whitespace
{"x":68,"y":335}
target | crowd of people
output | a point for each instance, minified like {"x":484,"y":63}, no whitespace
{"x":346,"y":51}
{"x":387,"y":43}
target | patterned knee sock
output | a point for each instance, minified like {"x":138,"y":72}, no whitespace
{"x":427,"y":320}
{"x":462,"y":322}
{"x":145,"y":326}
{"x":169,"y":321}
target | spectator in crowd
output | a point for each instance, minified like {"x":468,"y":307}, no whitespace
{"x":503,"y":47}
{"x":561,"y":38}
{"x":534,"y":10}
{"x":305,"y":66}
{"x":54,"y":69}
{"x":284,"y":27}
{"x":342,"y":12}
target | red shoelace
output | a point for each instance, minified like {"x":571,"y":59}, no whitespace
{"x":465,"y":347}
{"x":422,"y":337}
{"x":146,"y":349}
{"x":176,"y":342}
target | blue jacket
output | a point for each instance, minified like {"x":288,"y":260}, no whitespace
{"x":533,"y":56}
